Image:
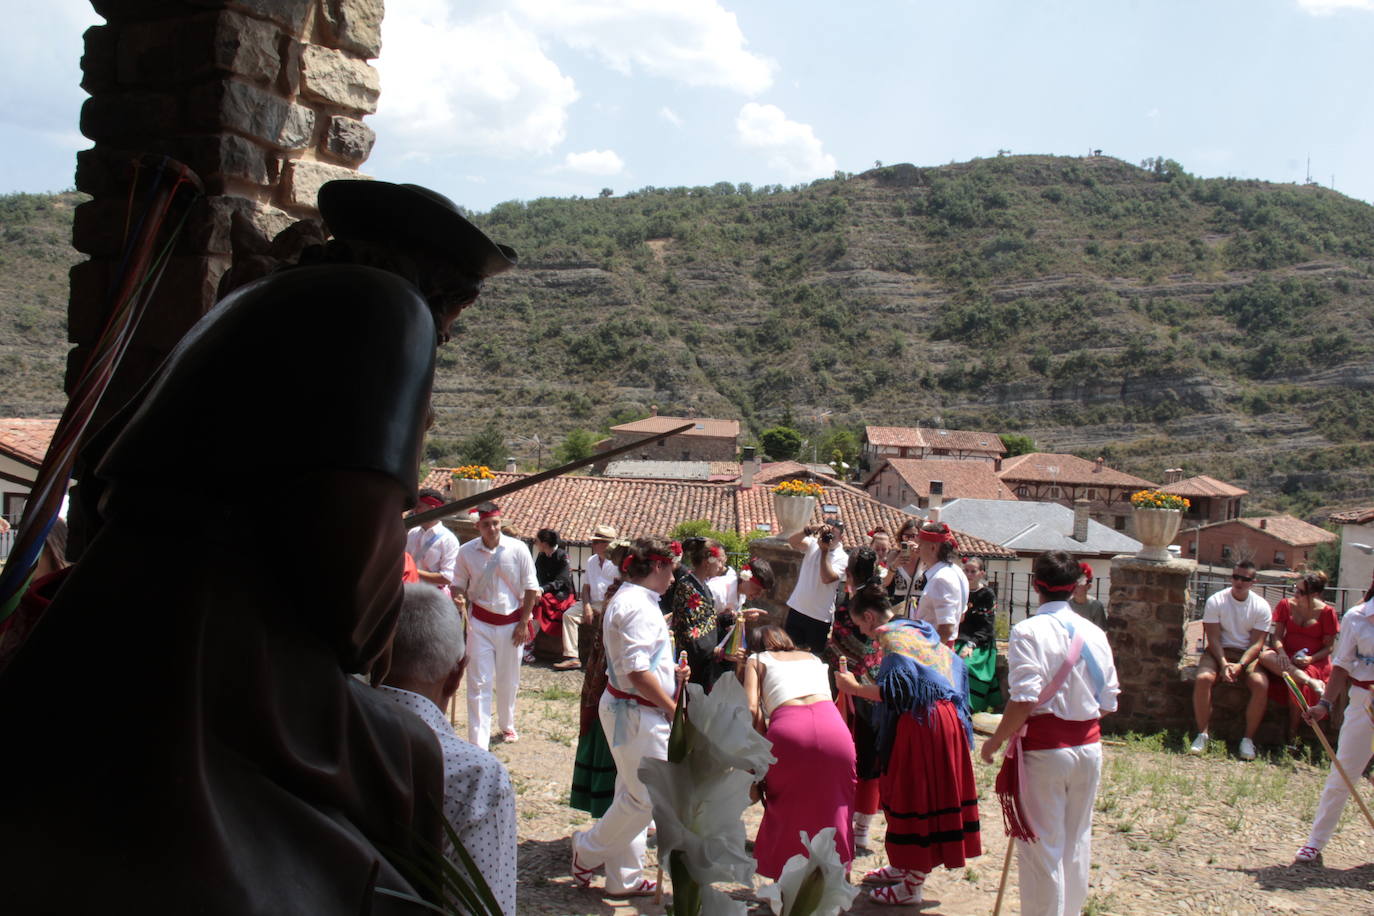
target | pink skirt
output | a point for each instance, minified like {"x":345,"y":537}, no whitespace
{"x":811,"y":787}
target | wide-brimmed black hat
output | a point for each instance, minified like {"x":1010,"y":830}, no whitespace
{"x":409,"y":215}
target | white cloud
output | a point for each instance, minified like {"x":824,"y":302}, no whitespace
{"x":795,"y":150}
{"x":594,"y":162}
{"x":40,"y":71}
{"x":693,"y":42}
{"x":1327,"y":7}
{"x":670,"y":116}
{"x":482,"y":85}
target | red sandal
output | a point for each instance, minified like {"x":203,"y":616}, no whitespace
{"x":907,"y":892}
{"x":582,"y":877}
{"x":645,"y":888}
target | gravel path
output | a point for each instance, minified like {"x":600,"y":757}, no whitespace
{"x":1172,"y":834}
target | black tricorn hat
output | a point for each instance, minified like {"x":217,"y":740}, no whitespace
{"x":409,"y":215}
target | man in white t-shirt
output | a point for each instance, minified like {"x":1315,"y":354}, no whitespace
{"x":811,"y":606}
{"x":1235,"y":622}
{"x":599,"y":575}
{"x":432,"y":546}
{"x":496,"y":573}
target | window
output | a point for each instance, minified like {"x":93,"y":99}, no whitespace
{"x":1052,"y":493}
{"x":1192,"y":548}
{"x":14,"y":507}
{"x":1090,"y":493}
{"x":1119,"y":523}
{"x":940,"y":451}
{"x":1023,"y":491}
{"x":1278,"y":558}
{"x":1226,"y":551}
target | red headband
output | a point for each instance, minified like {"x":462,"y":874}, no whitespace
{"x":652,"y":558}
{"x":1054,"y":589}
{"x":492,"y":513}
{"x":943,"y":536}
{"x":432,"y":502}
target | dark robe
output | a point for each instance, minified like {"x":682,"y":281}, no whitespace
{"x":181,"y":730}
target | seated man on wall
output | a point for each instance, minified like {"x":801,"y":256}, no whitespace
{"x":428,"y":656}
{"x":1234,"y":623}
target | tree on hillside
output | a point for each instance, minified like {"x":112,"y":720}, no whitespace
{"x":1018,"y":444}
{"x":840,"y":445}
{"x":578,"y":443}
{"x":485,"y":447}
{"x":781,"y":443}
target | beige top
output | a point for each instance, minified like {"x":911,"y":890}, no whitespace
{"x":789,"y":680}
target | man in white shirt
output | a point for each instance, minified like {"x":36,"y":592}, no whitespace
{"x":811,"y":606}
{"x":432,"y":546}
{"x":1059,"y":705}
{"x":944,"y":587}
{"x":496,"y":574}
{"x":427,"y":660}
{"x":1235,"y":622}
{"x":598,"y":576}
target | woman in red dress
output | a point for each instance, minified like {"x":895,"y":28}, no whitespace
{"x":1305,"y":630}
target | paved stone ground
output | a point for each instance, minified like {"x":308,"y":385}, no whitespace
{"x":1172,"y":833}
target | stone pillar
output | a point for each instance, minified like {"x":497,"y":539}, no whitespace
{"x":1147,"y":616}
{"x":263,"y":99}
{"x":786,"y":563}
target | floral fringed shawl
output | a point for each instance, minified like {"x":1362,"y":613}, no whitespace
{"x":918,"y":671}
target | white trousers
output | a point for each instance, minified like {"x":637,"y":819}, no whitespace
{"x":617,"y":840}
{"x":1059,"y":791}
{"x":1353,"y":751}
{"x":493,"y":666}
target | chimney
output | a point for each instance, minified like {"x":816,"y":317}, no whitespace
{"x":997,"y":465}
{"x":1172,"y":475}
{"x":937,"y":497}
{"x":1099,"y":464}
{"x":1264,"y":524}
{"x":1080,"y":519}
{"x":511,"y":466}
{"x":747,"y":468}
{"x":653,"y":410}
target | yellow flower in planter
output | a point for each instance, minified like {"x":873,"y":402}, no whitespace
{"x":474,"y":472}
{"x":799,"y":488}
{"x":1158,"y":499}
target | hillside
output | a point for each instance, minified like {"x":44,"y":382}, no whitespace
{"x":1102,"y":308}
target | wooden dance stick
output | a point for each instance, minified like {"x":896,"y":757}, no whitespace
{"x":1321,"y":736}
{"x":1006,"y":869}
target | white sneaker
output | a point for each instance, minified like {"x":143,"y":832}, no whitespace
{"x":1247,"y":749}
{"x":1199,"y":744}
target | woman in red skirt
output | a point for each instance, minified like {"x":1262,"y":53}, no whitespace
{"x":923,"y":739}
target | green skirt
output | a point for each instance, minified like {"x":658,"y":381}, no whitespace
{"x":593,"y":784}
{"x":984,"y":693}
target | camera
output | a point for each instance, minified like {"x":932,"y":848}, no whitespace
{"x":827,"y":537}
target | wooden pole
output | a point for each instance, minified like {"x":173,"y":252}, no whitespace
{"x":1321,"y":736}
{"x":1006,"y":869}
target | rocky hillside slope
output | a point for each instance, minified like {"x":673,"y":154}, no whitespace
{"x":1101,"y":308}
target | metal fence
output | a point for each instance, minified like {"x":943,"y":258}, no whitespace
{"x":1205,"y":583}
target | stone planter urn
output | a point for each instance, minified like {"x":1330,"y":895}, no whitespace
{"x":1155,"y":529}
{"x":463,"y":487}
{"x":793,"y":512}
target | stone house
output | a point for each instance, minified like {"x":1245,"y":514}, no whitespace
{"x":23,"y":443}
{"x":1064,"y":479}
{"x":881,"y":442}
{"x":1270,"y":542}
{"x":708,"y":440}
{"x":903,"y":482}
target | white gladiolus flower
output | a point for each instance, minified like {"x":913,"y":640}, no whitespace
{"x":700,"y":817}
{"x":813,"y":884}
{"x":722,"y":719}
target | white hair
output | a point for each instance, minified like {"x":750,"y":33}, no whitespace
{"x":429,"y":636}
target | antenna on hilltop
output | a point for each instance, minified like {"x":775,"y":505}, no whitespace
{"x":1309,"y":168}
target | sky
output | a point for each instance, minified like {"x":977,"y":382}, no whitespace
{"x":488,"y":102}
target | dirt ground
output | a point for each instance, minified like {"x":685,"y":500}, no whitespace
{"x":1172,"y":833}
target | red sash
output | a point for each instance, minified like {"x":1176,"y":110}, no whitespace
{"x":1048,"y":732}
{"x":622,"y":695}
{"x":1367,"y":685}
{"x":496,"y":620}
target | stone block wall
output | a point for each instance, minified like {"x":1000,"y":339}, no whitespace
{"x":263,"y":99}
{"x":786,"y":564}
{"x":1147,"y":613}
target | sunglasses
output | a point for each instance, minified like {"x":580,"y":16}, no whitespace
{"x":1242,"y":578}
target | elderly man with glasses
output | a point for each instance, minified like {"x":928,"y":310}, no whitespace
{"x":1235,"y":623}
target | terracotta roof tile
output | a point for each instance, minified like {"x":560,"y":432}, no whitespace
{"x":1203,"y":486}
{"x":1359,"y":516}
{"x":1050,"y":467}
{"x":26,"y":439}
{"x":715,"y":429}
{"x":929,"y":437}
{"x":576,"y":505}
{"x":1292,"y":531}
{"x":962,"y":479}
